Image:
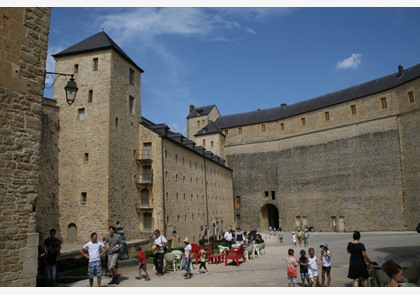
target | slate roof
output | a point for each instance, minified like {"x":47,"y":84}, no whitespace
{"x":196,"y":112}
{"x":327,"y":100}
{"x":164,"y":131}
{"x":99,"y":41}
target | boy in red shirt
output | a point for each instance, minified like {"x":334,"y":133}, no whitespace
{"x":291,"y":268}
{"x":142,"y":264}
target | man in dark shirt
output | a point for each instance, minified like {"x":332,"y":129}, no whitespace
{"x":52,"y":247}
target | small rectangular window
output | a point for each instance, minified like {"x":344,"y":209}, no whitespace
{"x":226,"y":132}
{"x":81,"y":114}
{"x":240,"y":130}
{"x":327,"y":116}
{"x":204,"y":143}
{"x":353,"y":109}
{"x":238,"y":202}
{"x":76,"y":68}
{"x":95,"y":64}
{"x":86,"y":157}
{"x":303,"y":121}
{"x":90,"y":96}
{"x":266,"y":193}
{"x":198,"y":123}
{"x":273,"y":195}
{"x":383,"y":103}
{"x":410,"y":97}
{"x":116,"y":122}
{"x":147,"y":221}
{"x":211,"y":143}
{"x":131,"y":104}
{"x":263,"y":127}
{"x":281,"y":126}
{"x":83,"y":198}
{"x":131,"y":76}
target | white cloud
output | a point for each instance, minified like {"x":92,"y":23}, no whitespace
{"x":351,"y":62}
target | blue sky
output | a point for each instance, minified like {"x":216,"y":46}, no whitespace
{"x":244,"y":59}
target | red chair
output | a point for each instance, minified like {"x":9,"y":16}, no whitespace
{"x":235,"y":254}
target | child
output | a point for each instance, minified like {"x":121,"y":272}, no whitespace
{"x":202,"y":260}
{"x":303,"y":262}
{"x":291,"y":268}
{"x":281,"y":236}
{"x":326,"y":264}
{"x":313,"y":266}
{"x":142,"y":264}
{"x":94,"y":253}
{"x":294,"y":238}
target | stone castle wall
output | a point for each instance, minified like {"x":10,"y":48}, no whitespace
{"x":23,"y":43}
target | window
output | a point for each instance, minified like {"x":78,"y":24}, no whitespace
{"x":303,"y":121}
{"x":131,"y":76}
{"x":273,"y":195}
{"x":353,"y":109}
{"x":81,"y":114}
{"x":86,"y":157}
{"x":131,"y":104}
{"x":266,"y":193}
{"x":83,"y":198}
{"x":90,"y":96}
{"x":327,"y":116}
{"x":95,"y":64}
{"x":144,"y":198}
{"x":263,"y":127}
{"x":410,"y":97}
{"x":147,"y":221}
{"x":116,"y":122}
{"x":211,"y":143}
{"x":240,"y":130}
{"x":76,"y":68}
{"x":238,"y":202}
{"x":198,"y":123}
{"x":383,"y":103}
{"x":226,"y":132}
{"x":281,"y":126}
{"x":204,"y":143}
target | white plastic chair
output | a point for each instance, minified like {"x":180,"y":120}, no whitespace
{"x":170,"y":261}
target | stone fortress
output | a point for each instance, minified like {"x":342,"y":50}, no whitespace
{"x":339,"y":162}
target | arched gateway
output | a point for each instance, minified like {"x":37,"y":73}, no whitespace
{"x":269,"y":217}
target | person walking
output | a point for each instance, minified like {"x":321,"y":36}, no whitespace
{"x":93,"y":250}
{"x":306,"y":238}
{"x":326,"y":264}
{"x":187,"y":258}
{"x":281,"y":235}
{"x":291,"y":263}
{"x":52,"y":247}
{"x":294,"y":239}
{"x":228,"y":238}
{"x":160,"y":244}
{"x":300,"y":235}
{"x":313,"y":268}
{"x":115,"y":243}
{"x":142,"y":264}
{"x":358,"y":270}
{"x":202,"y":260}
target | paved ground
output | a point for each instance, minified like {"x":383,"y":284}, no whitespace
{"x":269,"y":270}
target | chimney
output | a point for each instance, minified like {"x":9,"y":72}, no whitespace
{"x":283,"y":105}
{"x":400,"y":71}
{"x":192,"y":107}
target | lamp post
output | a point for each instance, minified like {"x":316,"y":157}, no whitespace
{"x":70,"y":88}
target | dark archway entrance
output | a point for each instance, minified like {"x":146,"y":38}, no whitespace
{"x":269,"y":217}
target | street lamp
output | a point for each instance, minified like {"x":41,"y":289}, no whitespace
{"x":71,"y":87}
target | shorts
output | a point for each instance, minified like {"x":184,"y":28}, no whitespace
{"x":95,"y":268}
{"x":313,"y":274}
{"x":292,"y":280}
{"x":112,"y":260}
{"x":143,"y":266}
{"x":326,"y":268}
{"x":304,"y":275}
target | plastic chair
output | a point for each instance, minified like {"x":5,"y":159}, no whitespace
{"x":222,"y":249}
{"x":170,"y":261}
{"x":382,"y":278}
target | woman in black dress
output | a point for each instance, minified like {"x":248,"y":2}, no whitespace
{"x":358,"y":270}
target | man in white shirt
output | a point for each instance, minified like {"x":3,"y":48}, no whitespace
{"x":228,"y":238}
{"x":94,"y":251}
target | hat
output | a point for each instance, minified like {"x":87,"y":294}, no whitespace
{"x":324,"y":245}
{"x":186,"y":240}
{"x":302,"y":252}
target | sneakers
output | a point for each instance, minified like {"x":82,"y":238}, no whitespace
{"x":138,"y":278}
{"x":188,"y":276}
{"x":113,"y":281}
{"x":147,"y":279}
{"x":207,"y":272}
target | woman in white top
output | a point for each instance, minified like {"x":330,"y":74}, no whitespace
{"x":187,"y":258}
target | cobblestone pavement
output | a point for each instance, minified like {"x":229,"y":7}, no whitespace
{"x":269,"y":270}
